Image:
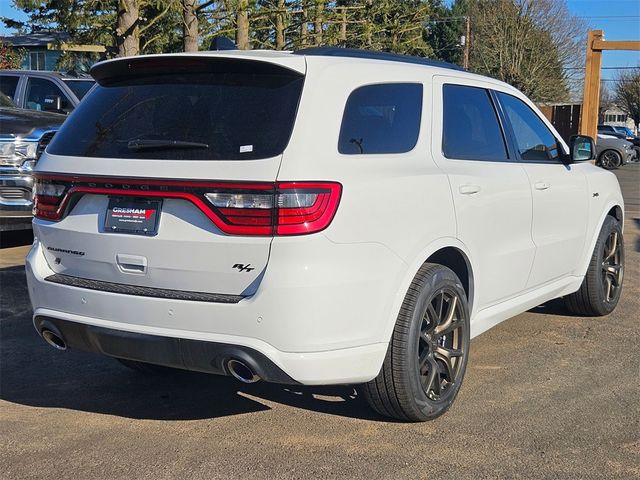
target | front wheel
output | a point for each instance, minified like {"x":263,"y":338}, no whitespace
{"x":427,"y":356}
{"x":602,"y":285}
{"x":610,"y":159}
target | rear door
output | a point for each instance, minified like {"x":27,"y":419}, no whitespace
{"x":560,"y":203}
{"x":165,"y":177}
{"x":490,"y":188}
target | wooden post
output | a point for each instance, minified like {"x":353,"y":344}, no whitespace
{"x":591,"y":96}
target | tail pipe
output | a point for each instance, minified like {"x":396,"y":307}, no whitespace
{"x":241,"y":371}
{"x":53,"y":339}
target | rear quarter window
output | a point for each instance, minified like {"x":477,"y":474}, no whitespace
{"x":382,"y":118}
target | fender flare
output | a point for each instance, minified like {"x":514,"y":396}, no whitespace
{"x":612,"y":203}
{"x":412,"y":269}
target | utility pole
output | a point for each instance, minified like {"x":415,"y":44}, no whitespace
{"x":467,"y":42}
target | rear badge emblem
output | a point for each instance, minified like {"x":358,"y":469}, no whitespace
{"x":243,"y":268}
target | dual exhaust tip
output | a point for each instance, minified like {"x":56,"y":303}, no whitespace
{"x":53,"y":339}
{"x":236,"y":368}
{"x":241,"y":371}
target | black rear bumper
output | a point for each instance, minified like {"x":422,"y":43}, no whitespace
{"x":195,"y":355}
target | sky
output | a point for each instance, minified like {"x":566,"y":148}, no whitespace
{"x":619,"y":19}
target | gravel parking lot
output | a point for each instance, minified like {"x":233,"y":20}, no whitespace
{"x":546,"y":395}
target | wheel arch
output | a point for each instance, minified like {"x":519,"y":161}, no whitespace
{"x":449,"y":252}
{"x":613,"y":209}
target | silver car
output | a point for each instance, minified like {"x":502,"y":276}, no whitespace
{"x":614,"y":152}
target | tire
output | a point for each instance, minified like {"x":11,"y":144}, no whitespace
{"x":602,"y":285}
{"x":146,"y":368}
{"x":610,"y":160}
{"x":433,"y":325}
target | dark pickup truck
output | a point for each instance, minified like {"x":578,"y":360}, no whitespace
{"x":24,"y":134}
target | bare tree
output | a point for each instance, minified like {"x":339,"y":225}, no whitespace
{"x":606,"y":101}
{"x":627,"y":94}
{"x":534,"y":45}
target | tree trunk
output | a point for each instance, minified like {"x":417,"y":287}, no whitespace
{"x":127,"y":30}
{"x":317,"y":26}
{"x":304,"y":26}
{"x":190,"y":25}
{"x":242,"y":25}
{"x":280,"y":25}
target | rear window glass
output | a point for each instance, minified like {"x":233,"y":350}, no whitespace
{"x":470,"y":129}
{"x":381,"y":118}
{"x":241,"y":114}
{"x":79,"y":87}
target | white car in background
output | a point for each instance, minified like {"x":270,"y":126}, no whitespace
{"x":328,"y":216}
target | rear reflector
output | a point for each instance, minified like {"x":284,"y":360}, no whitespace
{"x":236,"y":208}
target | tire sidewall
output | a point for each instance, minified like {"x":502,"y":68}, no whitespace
{"x":439,"y":279}
{"x":609,"y":225}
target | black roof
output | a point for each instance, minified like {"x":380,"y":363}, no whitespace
{"x":371,"y":55}
{"x":38,"y":39}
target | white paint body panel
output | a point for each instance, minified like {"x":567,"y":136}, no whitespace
{"x":325,"y":304}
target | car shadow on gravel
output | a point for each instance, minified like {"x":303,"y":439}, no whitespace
{"x":34,"y":374}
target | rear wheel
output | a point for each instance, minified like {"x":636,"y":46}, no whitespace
{"x":428,"y":352}
{"x":610,"y":159}
{"x":602,"y":285}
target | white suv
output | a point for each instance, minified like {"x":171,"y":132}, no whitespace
{"x":328,"y":216}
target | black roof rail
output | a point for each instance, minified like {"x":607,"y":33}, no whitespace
{"x":371,"y":55}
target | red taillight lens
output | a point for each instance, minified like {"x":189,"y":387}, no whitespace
{"x":48,"y":198}
{"x":305,"y":207}
{"x":260,"y":209}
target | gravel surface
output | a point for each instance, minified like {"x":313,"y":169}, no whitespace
{"x":546,"y":395}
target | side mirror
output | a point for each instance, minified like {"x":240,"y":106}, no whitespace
{"x":52,"y":103}
{"x":581,"y":148}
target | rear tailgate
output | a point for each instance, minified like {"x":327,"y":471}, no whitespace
{"x":164,"y":176}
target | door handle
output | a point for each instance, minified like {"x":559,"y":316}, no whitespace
{"x":469,"y":189}
{"x":542,"y":185}
{"x":131,"y":263}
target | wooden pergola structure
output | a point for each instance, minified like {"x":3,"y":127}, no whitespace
{"x":590,"y":104}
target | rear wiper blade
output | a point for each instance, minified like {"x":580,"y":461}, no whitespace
{"x":163,"y":144}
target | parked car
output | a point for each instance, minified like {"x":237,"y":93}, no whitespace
{"x":45,"y":91}
{"x":625,"y":130}
{"x":329,"y":216}
{"x":23,"y":137}
{"x":613,"y":152}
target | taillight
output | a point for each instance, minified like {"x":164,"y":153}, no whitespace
{"x":266,"y":209}
{"x":48,"y":198}
{"x":292,"y":208}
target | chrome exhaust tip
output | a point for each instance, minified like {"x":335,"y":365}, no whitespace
{"x":241,"y":371}
{"x":54,"y":340}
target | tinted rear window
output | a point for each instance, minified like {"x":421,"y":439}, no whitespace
{"x":470,"y":129}
{"x":240,"y":114}
{"x":79,"y":87}
{"x":381,"y":118}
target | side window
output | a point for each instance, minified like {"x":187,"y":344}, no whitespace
{"x":38,"y":89}
{"x":381,"y":118}
{"x":470,"y":129}
{"x":8,"y":85}
{"x":534,"y":140}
